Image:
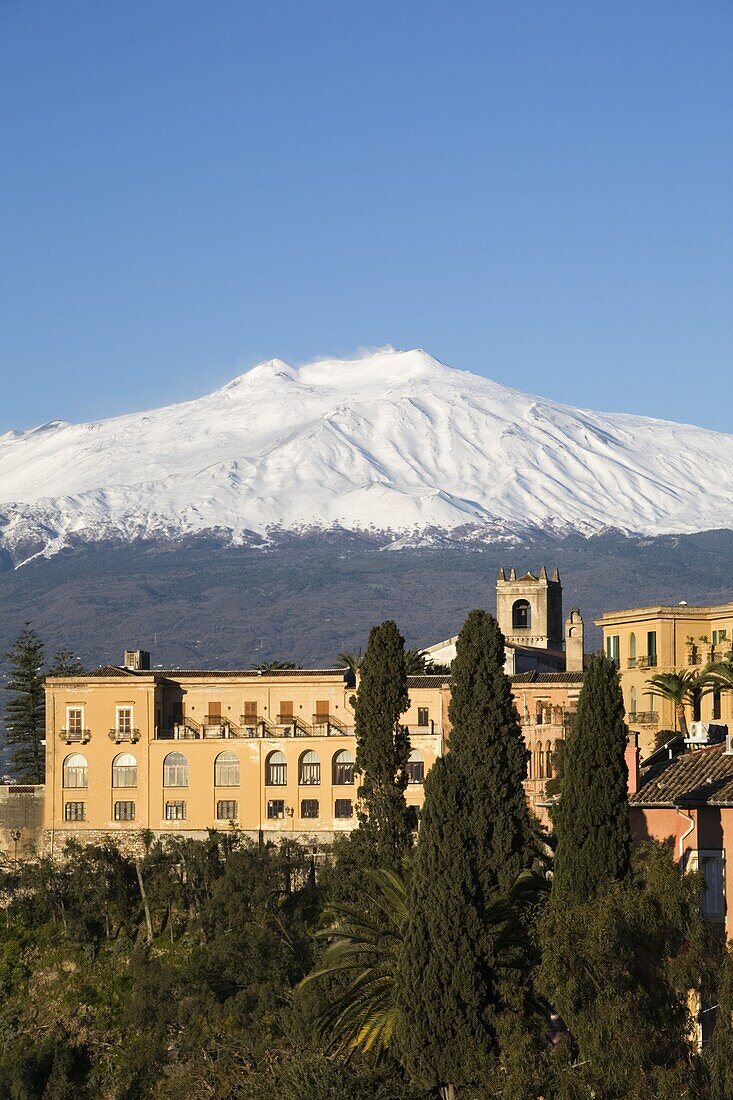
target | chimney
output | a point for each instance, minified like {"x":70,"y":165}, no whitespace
{"x":632,"y":761}
{"x":137,"y":659}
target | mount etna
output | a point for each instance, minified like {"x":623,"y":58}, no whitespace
{"x":261,"y":520}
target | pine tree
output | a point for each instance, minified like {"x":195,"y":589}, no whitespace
{"x":383,"y":747}
{"x":66,"y":663}
{"x":475,"y":839}
{"x":592,"y":817}
{"x":26,"y":708}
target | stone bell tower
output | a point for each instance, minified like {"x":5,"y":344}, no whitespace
{"x":529,"y":609}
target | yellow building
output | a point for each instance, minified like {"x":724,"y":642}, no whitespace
{"x":129,"y":749}
{"x":647,"y":640}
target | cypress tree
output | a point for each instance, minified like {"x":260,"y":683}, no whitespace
{"x":25,"y":711}
{"x":383,"y":747}
{"x":592,"y":817}
{"x":475,"y":839}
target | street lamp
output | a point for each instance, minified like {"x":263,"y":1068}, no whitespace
{"x":15,"y":837}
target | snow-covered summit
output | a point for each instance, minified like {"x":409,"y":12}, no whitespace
{"x":388,"y":440}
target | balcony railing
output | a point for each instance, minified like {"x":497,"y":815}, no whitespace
{"x":69,"y":735}
{"x":644,"y":717}
{"x":118,"y":735}
{"x":650,"y":661}
{"x":425,"y":731}
{"x":327,"y":725}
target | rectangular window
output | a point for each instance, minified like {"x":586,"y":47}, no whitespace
{"x":651,"y":648}
{"x":250,"y":710}
{"x":75,"y":720}
{"x":309,"y":808}
{"x":322,"y":712}
{"x":124,"y":811}
{"x":423,"y":717}
{"x":74,"y":811}
{"x":226,"y":811}
{"x":344,"y":808}
{"x":213,"y":717}
{"x":415,"y":771}
{"x":124,"y":720}
{"x":175,"y":811}
{"x":285,"y":713}
{"x":715,"y":708}
{"x":275,"y":809}
{"x":709,"y":863}
{"x":612,"y":648}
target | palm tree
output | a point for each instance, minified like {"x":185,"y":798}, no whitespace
{"x":350,"y":660}
{"x":363,"y":946}
{"x":275,"y":666}
{"x":365,"y":942}
{"x":416,"y":661}
{"x":680,"y":688}
{"x":719,"y":675}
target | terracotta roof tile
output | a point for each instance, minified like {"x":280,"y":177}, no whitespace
{"x":702,"y":777}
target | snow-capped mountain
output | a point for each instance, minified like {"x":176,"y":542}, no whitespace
{"x":389,"y":441}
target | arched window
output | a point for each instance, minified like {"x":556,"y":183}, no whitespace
{"x":632,"y":703}
{"x":343,"y":768}
{"x":124,"y":770}
{"x":530,"y":767}
{"x":415,"y":767}
{"x":309,"y":769}
{"x":548,"y":761}
{"x":632,"y":650}
{"x":276,"y":770}
{"x":226,"y":770}
{"x":175,"y":770}
{"x":76,"y":771}
{"x":521,"y":615}
{"x":540,"y":761}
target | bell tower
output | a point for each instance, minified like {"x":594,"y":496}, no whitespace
{"x":529,"y":609}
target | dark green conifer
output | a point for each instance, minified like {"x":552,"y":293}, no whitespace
{"x":383,"y":747}
{"x":592,"y":817}
{"x":66,"y":663}
{"x":475,"y":839}
{"x":26,"y":709}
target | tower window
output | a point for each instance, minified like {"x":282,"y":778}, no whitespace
{"x":521,"y":615}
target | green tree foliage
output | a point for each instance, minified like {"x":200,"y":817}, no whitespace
{"x":65,"y":663}
{"x":383,"y":747}
{"x":26,"y":708}
{"x":475,"y":840}
{"x":718,"y":1053}
{"x":680,"y":688}
{"x":619,"y":966}
{"x":363,"y":947}
{"x":592,"y":817}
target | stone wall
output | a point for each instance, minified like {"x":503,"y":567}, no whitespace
{"x":21,"y":820}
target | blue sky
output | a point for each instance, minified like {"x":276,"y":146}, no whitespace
{"x":539,"y":192}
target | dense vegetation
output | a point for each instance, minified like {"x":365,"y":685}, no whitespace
{"x":383,"y":969}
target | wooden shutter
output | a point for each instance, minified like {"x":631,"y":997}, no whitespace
{"x":322,"y":708}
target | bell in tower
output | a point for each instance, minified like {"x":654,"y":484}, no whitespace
{"x":529,"y":609}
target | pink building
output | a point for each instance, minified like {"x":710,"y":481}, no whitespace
{"x":686,"y":801}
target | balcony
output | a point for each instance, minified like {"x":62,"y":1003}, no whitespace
{"x":644,"y":717}
{"x":71,"y":735}
{"x":328,"y":726}
{"x":425,"y":731}
{"x":124,"y":734}
{"x":650,"y":661}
